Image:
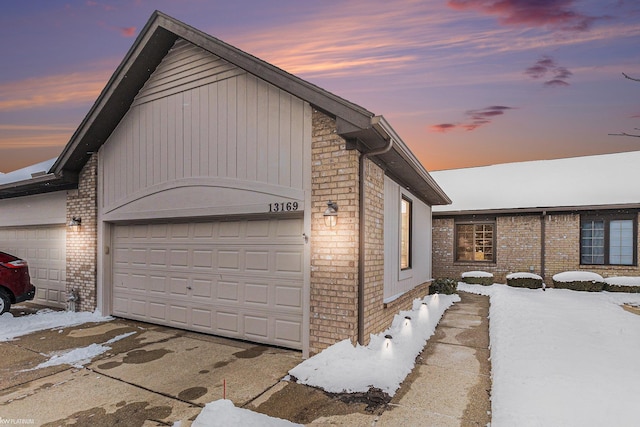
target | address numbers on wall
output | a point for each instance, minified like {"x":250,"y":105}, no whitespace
{"x":283,"y":206}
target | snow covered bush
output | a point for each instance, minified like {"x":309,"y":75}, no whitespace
{"x":477,"y":278}
{"x":622,"y":284}
{"x":444,"y":286}
{"x":579,"y":281}
{"x":524,"y":280}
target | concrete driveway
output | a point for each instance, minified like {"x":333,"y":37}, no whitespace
{"x":155,"y":376}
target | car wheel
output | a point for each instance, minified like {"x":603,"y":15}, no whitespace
{"x":5,"y":302}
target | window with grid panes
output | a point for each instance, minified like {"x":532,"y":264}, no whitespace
{"x":608,"y":239}
{"x":475,"y":242}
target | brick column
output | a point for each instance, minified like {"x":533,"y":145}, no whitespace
{"x":82,"y":242}
{"x":375,"y":319}
{"x":334,"y":251}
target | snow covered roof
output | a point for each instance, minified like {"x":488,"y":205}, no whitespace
{"x":29,"y":172}
{"x":589,"y":181}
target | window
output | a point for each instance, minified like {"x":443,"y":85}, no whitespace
{"x":608,"y":240}
{"x":405,"y":233}
{"x":475,"y":242}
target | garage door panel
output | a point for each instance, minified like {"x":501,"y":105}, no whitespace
{"x":228,"y":291}
{"x":256,"y":293}
{"x":157,"y":311}
{"x":229,"y":260}
{"x":201,"y":318}
{"x":178,"y":286}
{"x":256,"y":260}
{"x":203,"y":259}
{"x":157,"y":257}
{"x":287,"y":331}
{"x":178,"y":315}
{"x":201,"y":289}
{"x":288,"y":296}
{"x":227,"y":322}
{"x":288,"y":262}
{"x":256,"y":327}
{"x":233,"y":278}
{"x":157,"y":285}
{"x":138,"y":307}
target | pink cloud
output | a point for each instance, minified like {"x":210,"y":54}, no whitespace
{"x":442,"y":127}
{"x":124,"y":31}
{"x":547,"y":65}
{"x":558,"y":14}
{"x":128,"y":31}
{"x":475,"y":119}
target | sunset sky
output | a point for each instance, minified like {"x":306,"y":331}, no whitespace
{"x":463,"y":82}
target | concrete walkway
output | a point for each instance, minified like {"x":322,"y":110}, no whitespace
{"x":450,"y":384}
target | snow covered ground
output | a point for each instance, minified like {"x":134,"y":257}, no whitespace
{"x":558,"y":357}
{"x":562,"y":357}
{"x":385,"y":362}
{"x":12,"y":327}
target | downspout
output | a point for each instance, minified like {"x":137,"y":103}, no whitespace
{"x":543,"y":245}
{"x":362,"y":234}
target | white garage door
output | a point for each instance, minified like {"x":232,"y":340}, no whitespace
{"x":44,"y":248}
{"x":241,"y":279}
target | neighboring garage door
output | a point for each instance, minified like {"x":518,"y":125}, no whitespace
{"x":241,"y":279}
{"x":44,"y":248}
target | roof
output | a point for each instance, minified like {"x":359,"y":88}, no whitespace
{"x":32,"y":179}
{"x":28,"y":172}
{"x":359,"y":126}
{"x":578,"y":183}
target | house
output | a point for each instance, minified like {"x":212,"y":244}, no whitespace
{"x":543,"y":217}
{"x":209,"y":190}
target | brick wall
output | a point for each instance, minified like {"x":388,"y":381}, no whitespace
{"x":443,"y":253}
{"x":563,"y":250}
{"x":518,"y":248}
{"x":562,"y":241}
{"x":374,"y":314}
{"x":334,"y":252}
{"x":518,"y":242}
{"x":82,"y":242}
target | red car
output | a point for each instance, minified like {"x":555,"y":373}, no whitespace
{"x":15,"y":282}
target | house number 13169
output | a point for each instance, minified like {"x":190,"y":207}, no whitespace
{"x":283,"y":207}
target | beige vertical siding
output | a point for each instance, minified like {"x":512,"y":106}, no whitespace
{"x":199,"y":116}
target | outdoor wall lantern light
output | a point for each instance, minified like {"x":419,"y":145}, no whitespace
{"x":331,"y":214}
{"x":75,"y":222}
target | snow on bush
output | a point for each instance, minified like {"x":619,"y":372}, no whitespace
{"x":577,"y":276}
{"x":385,"y":362}
{"x":477,"y":278}
{"x":623,"y":281}
{"x":579,"y":281}
{"x":523,"y":276}
{"x":622,"y":284}
{"x":476,"y":274}
{"x":525,"y":280}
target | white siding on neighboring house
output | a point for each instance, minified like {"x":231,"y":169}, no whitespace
{"x":33,"y":228}
{"x":396,"y":280}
